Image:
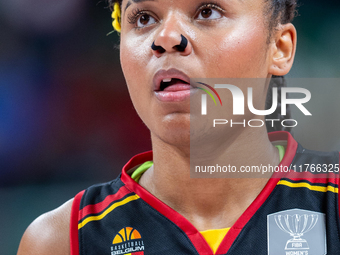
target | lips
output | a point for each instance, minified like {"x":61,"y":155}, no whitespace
{"x":165,"y":79}
{"x":171,"y":85}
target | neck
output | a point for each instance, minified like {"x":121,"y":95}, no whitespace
{"x":215,"y":202}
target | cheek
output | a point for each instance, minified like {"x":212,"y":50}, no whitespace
{"x":241,"y":53}
{"x":134,"y":56}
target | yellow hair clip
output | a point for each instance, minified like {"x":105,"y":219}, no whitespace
{"x":116,"y":17}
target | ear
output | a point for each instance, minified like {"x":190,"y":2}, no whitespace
{"x":283,"y":50}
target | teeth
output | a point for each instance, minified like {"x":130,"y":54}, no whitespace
{"x":167,"y":80}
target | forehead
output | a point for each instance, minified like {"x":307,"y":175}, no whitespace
{"x":183,"y":3}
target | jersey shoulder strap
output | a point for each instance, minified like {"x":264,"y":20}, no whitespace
{"x":93,"y":204}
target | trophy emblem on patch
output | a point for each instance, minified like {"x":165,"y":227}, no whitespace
{"x":296,"y":225}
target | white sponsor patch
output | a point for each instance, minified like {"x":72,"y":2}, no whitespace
{"x":296,"y":232}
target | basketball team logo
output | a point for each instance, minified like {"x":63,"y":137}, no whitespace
{"x":296,"y":231}
{"x":128,"y":241}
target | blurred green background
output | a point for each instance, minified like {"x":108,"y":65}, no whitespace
{"x":66,"y":120}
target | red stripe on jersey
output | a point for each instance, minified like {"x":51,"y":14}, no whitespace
{"x":307,"y":176}
{"x":101,"y":206}
{"x":74,"y":242}
{"x":267,"y":190}
{"x":195,"y":237}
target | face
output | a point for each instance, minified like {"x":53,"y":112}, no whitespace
{"x":225,"y":38}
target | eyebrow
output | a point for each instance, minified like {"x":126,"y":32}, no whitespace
{"x":135,"y":1}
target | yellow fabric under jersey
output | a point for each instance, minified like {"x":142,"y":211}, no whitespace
{"x":213,"y":237}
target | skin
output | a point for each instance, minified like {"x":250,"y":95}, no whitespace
{"x":242,"y":51}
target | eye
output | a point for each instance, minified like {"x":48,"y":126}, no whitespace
{"x":145,"y":19}
{"x":209,"y":11}
{"x":141,"y":18}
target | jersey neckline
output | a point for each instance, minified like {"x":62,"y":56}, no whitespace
{"x":140,"y":170}
{"x":193,"y":234}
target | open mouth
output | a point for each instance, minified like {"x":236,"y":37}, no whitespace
{"x":173,"y":84}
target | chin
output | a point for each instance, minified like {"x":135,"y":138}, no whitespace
{"x":175,"y":134}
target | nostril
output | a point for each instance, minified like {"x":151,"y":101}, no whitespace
{"x":159,"y":49}
{"x":179,"y":48}
{"x":184,"y":43}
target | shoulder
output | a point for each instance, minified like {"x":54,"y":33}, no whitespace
{"x":49,"y":233}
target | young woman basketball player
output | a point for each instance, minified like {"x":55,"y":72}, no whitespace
{"x":154,"y":207}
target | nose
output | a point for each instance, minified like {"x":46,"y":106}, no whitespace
{"x":170,"y":39}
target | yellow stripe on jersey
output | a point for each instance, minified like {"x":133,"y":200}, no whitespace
{"x":108,"y":210}
{"x":308,"y":186}
{"x":214,"y":237}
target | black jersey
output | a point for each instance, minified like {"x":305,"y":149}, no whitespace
{"x":297,"y":213}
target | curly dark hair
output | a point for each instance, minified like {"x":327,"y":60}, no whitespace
{"x":282,"y":11}
{"x":111,"y":3}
